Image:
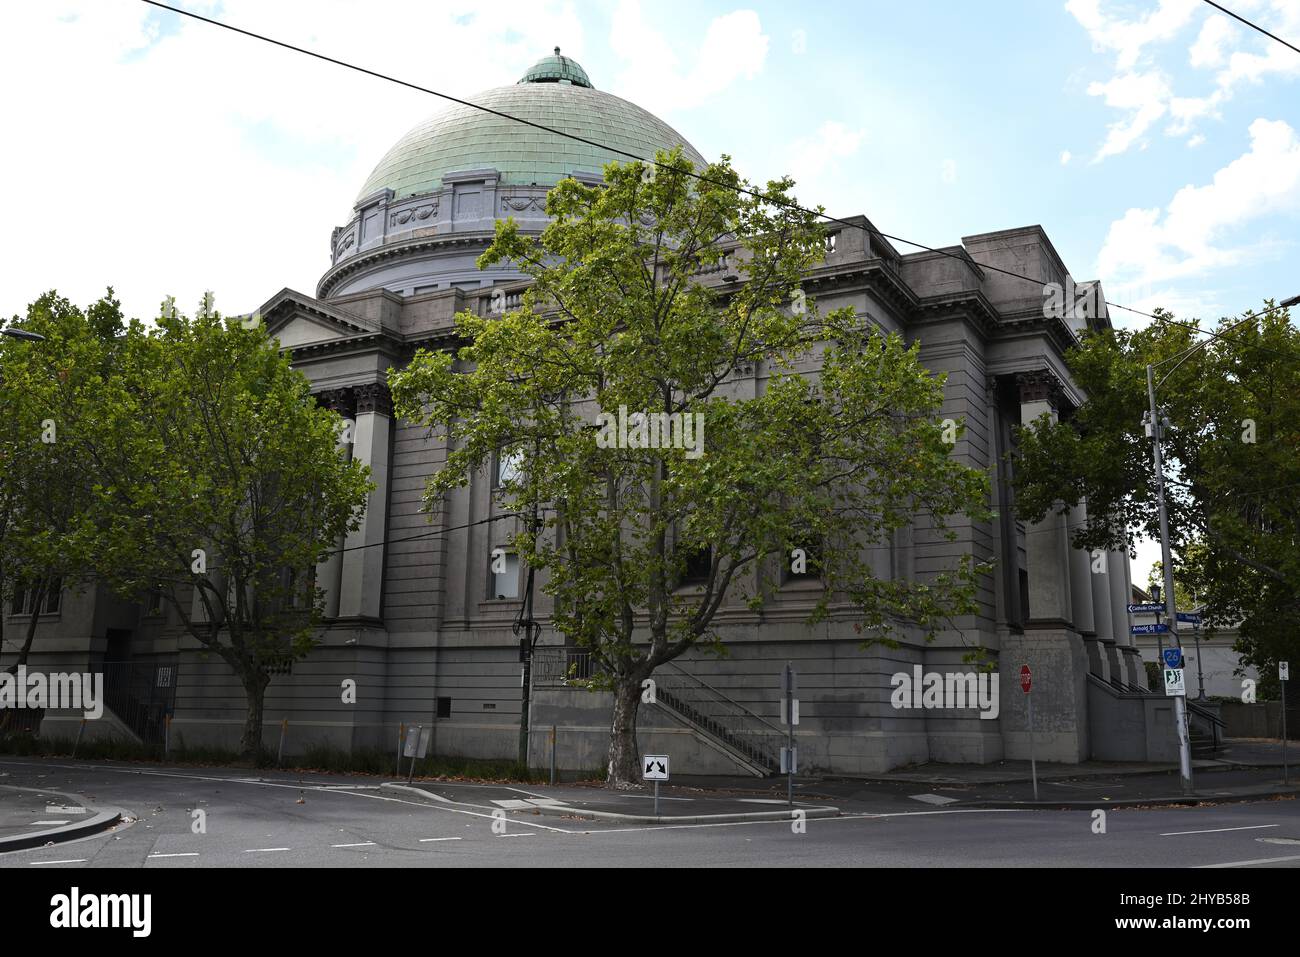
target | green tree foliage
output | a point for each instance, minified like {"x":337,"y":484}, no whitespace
{"x":829,"y":462}
{"x":1233,"y":464}
{"x":48,"y":395}
{"x":220,"y":485}
{"x":191,"y":461}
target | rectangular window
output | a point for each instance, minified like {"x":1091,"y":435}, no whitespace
{"x":24,"y":598}
{"x":154,"y":603}
{"x":507,"y":467}
{"x":804,"y":562}
{"x":698,"y":564}
{"x":504,"y":570}
{"x":444,"y":707}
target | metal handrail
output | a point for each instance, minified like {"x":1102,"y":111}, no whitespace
{"x":700,"y":681}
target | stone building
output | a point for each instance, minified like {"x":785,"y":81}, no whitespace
{"x":419,"y":620}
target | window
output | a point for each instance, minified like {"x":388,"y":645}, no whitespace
{"x":25,"y":597}
{"x":698,"y":563}
{"x":507,"y":467}
{"x":444,"y":707}
{"x":504,"y":570}
{"x":153,"y":603}
{"x":808,"y":566}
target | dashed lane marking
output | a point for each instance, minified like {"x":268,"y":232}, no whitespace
{"x":1219,"y":830}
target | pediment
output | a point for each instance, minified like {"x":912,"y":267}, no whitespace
{"x":298,"y":320}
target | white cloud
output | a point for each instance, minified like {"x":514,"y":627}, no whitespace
{"x":1145,"y":93}
{"x":734,"y":48}
{"x":948,"y":171}
{"x":814,"y":160}
{"x":1128,"y":37}
{"x":1065,"y":157}
{"x":1191,"y":236}
{"x":193,"y":158}
{"x":1195,"y":141}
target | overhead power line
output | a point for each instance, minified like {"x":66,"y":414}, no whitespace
{"x":651,"y":161}
{"x":1253,"y":26}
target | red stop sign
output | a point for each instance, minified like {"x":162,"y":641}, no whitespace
{"x":1026,"y":676}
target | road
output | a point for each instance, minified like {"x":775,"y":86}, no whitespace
{"x":336,"y":821}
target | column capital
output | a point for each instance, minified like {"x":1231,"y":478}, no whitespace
{"x":342,"y":401}
{"x":1040,"y":385}
{"x":374,"y":397}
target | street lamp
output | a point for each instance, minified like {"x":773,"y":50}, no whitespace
{"x":16,"y":333}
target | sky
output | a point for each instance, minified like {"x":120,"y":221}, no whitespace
{"x":1156,"y":141}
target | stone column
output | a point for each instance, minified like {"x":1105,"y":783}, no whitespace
{"x":1081,"y":573}
{"x":1050,"y":644}
{"x":329,"y":572}
{"x":1047,"y":543}
{"x":361,"y":584}
{"x":1103,"y":617}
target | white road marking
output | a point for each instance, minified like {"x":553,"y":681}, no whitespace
{"x":60,"y":809}
{"x":426,"y":840}
{"x":1219,"y":830}
{"x":264,"y":850}
{"x":80,"y":860}
{"x":513,"y":805}
{"x":179,"y":854}
{"x":41,"y":823}
{"x":1263,"y":860}
{"x":524,"y":834}
{"x":361,"y":844}
{"x":938,"y":799}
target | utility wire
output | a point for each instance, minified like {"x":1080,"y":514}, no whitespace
{"x":581,"y":139}
{"x":1253,"y":26}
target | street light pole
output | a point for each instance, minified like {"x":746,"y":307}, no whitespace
{"x":1155,"y":427}
{"x":15,"y":333}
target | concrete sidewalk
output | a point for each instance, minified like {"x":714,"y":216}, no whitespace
{"x":35,"y":818}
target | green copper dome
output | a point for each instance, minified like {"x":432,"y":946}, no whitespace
{"x":463,"y":138}
{"x":555,"y":69}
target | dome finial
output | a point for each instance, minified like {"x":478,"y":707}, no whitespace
{"x":557,"y":51}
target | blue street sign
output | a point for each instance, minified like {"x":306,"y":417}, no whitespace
{"x":1191,"y":617}
{"x":1173,"y":657}
{"x":1149,"y":608}
{"x":1159,"y":629}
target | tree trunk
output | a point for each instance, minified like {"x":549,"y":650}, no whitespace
{"x":38,"y":599}
{"x":250,"y":745}
{"x":624,"y":760}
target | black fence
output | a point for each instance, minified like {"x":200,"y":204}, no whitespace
{"x":141,"y":694}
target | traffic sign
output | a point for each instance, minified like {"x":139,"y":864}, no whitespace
{"x":1283,"y":670}
{"x":655,"y":767}
{"x":416,"y":744}
{"x":1026,"y":678}
{"x":1159,"y":629}
{"x":790,"y":760}
{"x":1174,"y":685}
{"x":1173,"y":657}
{"x":790,"y":711}
{"x":1190,"y":617}
{"x":1146,"y":608}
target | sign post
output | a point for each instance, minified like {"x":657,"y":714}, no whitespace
{"x":790,"y":716}
{"x":1283,"y":675}
{"x":416,"y":746}
{"x":1026,"y":681}
{"x":655,"y":768}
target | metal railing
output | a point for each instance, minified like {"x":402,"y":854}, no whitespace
{"x":561,"y":667}
{"x":141,"y":694}
{"x":714,"y":713}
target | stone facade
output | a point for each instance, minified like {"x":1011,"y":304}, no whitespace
{"x":411,"y":614}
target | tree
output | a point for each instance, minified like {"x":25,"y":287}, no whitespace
{"x":48,"y":402}
{"x":1233,"y":457}
{"x":643,"y":541}
{"x":220,"y":486}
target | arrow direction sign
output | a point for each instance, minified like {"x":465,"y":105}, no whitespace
{"x":1148,"y":608}
{"x":655,"y":767}
{"x":1159,"y":629}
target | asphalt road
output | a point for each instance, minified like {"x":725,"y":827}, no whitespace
{"x":337,"y":821}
